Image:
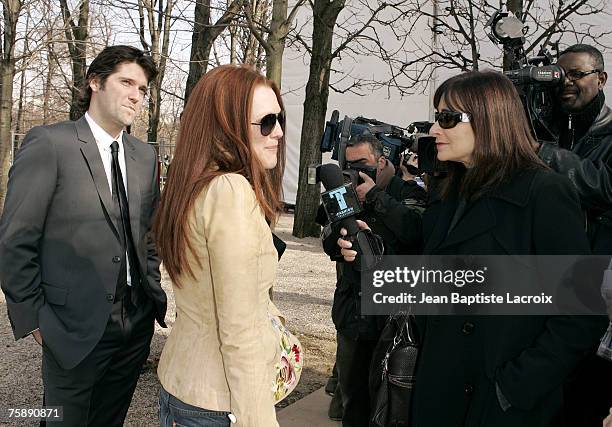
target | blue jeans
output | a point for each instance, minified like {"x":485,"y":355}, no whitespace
{"x":174,"y":412}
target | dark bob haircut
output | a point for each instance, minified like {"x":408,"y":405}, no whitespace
{"x":503,"y":142}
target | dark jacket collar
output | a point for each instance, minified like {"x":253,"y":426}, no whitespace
{"x":516,"y":190}
{"x":603,"y":123}
{"x":585,"y":119}
{"x":480,"y":214}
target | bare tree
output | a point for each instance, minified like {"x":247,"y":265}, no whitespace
{"x":57,"y":81}
{"x":325,"y":14}
{"x":158,"y":21}
{"x":77,"y":34}
{"x":360,"y":26}
{"x":48,"y":82}
{"x":11,"y":10}
{"x":256,"y":10}
{"x":204,"y":35}
{"x":460,"y":29}
{"x":22,"y":82}
{"x":272,"y":38}
{"x":27,"y":65}
{"x":239,"y":41}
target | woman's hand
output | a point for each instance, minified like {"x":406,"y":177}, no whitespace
{"x":345,"y":246}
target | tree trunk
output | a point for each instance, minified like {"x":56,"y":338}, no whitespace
{"x":250,"y":53}
{"x":20,"y":101}
{"x":19,"y":126}
{"x":7,"y":73}
{"x":48,"y":80}
{"x":154,"y":110}
{"x":11,"y":10}
{"x":473,"y":39}
{"x":201,"y":44}
{"x":204,"y":35}
{"x":325,"y":14}
{"x":261,"y":58}
{"x":79,"y":70}
{"x":155,"y":18}
{"x":233,"y":44}
{"x":276,"y":41}
{"x":76,"y":38}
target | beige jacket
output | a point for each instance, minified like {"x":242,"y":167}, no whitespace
{"x":222,"y":349}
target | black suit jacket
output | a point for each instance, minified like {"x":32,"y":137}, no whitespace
{"x":59,"y":246}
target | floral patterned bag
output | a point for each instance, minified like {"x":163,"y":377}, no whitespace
{"x":289,"y":367}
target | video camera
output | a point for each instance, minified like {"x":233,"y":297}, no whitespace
{"x":340,"y":200}
{"x":396,"y":141}
{"x":533,"y":77}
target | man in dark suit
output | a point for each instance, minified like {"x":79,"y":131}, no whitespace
{"x":79,"y":268}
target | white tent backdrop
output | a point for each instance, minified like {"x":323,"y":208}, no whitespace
{"x":383,"y":104}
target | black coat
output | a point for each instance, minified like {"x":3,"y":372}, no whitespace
{"x":589,"y":166}
{"x":463,"y":357}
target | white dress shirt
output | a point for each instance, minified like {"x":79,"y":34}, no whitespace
{"x":104,"y":141}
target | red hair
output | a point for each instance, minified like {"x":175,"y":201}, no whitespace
{"x":214,"y":140}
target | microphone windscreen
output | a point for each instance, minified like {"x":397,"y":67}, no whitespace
{"x":331,"y":176}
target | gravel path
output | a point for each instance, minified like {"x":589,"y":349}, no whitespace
{"x":304,"y":294}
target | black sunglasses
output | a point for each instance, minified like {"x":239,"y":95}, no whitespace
{"x":450,"y":119}
{"x":268,"y":122}
{"x":573,"y":75}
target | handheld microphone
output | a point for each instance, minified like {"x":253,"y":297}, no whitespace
{"x":341,"y":205}
{"x":340,"y":201}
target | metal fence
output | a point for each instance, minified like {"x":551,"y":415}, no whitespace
{"x":164,"y":151}
{"x":16,"y":139}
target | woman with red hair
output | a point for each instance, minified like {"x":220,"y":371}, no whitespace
{"x":213,"y":235}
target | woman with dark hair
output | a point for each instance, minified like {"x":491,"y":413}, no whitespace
{"x":213,"y":235}
{"x":497,"y":199}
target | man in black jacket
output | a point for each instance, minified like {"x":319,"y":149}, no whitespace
{"x":583,"y":123}
{"x":391,"y":210}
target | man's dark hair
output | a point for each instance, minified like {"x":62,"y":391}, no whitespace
{"x":593,"y":52}
{"x":106,"y":64}
{"x":368,"y":138}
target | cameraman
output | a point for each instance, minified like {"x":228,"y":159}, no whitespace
{"x":583,"y":123}
{"x":386,"y":209}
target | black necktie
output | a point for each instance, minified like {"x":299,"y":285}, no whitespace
{"x":125,"y":231}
